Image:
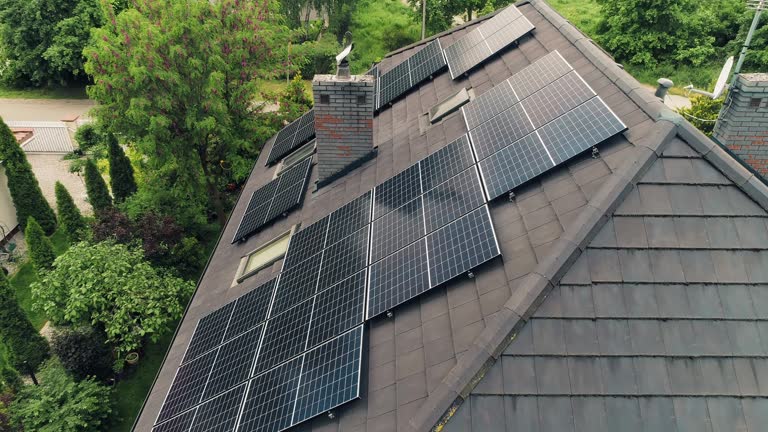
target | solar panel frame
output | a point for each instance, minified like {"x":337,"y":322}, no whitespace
{"x":187,"y":388}
{"x":306,"y":243}
{"x":513,"y":31}
{"x":180,"y":423}
{"x":500,"y":131}
{"x":397,"y":190}
{"x":234,"y":362}
{"x":501,"y":20}
{"x":251,"y":309}
{"x":489,"y":104}
{"x":396,"y":229}
{"x":398,"y":278}
{"x":286,"y":201}
{"x":349,"y":218}
{"x":446,"y":162}
{"x":251,"y":222}
{"x":284,"y":337}
{"x":344,"y":258}
{"x":296,"y":285}
{"x":539,"y":74}
{"x":209,"y":332}
{"x":514,"y":165}
{"x":262,"y":196}
{"x":338,"y":309}
{"x":270,"y":398}
{"x":557,"y":98}
{"x":295,"y":174}
{"x":220,"y":414}
{"x":293,"y":136}
{"x":453,"y":199}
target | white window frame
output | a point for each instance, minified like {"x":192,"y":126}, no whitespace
{"x":242,"y":274}
{"x":308,"y":149}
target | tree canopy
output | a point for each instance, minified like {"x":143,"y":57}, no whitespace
{"x":40,"y":246}
{"x":25,"y":343}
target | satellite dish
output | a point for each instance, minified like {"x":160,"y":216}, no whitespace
{"x":721,"y":81}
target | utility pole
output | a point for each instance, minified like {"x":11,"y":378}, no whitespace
{"x":759,"y":6}
{"x":423,"y":19}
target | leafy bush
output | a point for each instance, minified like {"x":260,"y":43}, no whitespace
{"x":9,"y":376}
{"x":24,"y":341}
{"x":379,"y":27}
{"x":40,"y":246}
{"x":112,"y":287}
{"x":60,"y":404}
{"x":6,"y":396}
{"x":96,"y":188}
{"x":69,"y":215}
{"x":25,"y":190}
{"x":317,"y":57}
{"x":87,"y":137}
{"x":703,"y":113}
{"x":83,"y":352}
{"x":120,"y":171}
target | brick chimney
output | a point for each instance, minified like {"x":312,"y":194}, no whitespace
{"x":743,"y":126}
{"x":344,"y":106}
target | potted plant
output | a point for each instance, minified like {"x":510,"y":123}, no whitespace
{"x":132,"y":358}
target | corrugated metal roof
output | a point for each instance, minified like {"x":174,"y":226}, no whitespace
{"x":48,"y":136}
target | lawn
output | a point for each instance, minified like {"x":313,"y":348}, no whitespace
{"x":276,"y":86}
{"x":584,"y":14}
{"x":44,"y":93}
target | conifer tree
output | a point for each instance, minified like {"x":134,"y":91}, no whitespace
{"x":120,"y":171}
{"x":17,"y":332}
{"x":69,"y":215}
{"x":40,"y":246}
{"x":98,"y":194}
{"x":25,"y":191}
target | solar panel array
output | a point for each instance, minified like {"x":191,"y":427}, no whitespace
{"x":411,"y":72}
{"x":487,"y":39}
{"x":292,"y":137}
{"x":274,"y":199}
{"x":534,"y":121}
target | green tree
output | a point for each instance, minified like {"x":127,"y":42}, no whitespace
{"x":177,"y":78}
{"x":703,"y":113}
{"x":82,"y":351}
{"x":112,"y":287}
{"x":24,"y":341}
{"x":69,"y":215}
{"x":60,"y":404}
{"x":9,"y":376}
{"x":96,"y":188}
{"x":25,"y":191}
{"x":120,"y":171}
{"x":40,"y":246}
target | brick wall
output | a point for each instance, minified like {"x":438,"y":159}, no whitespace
{"x":743,"y":126}
{"x":343,"y":121}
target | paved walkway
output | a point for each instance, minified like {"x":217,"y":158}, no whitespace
{"x":43,"y":109}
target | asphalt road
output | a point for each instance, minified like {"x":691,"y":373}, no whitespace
{"x":43,"y":109}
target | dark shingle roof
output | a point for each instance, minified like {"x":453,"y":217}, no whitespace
{"x":427,"y":360}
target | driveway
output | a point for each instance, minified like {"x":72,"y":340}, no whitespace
{"x":43,"y":109}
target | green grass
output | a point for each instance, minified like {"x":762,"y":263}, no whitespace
{"x":380,"y":26}
{"x":129,"y":393}
{"x":43,"y":93}
{"x":584,"y":14}
{"x":276,"y":86}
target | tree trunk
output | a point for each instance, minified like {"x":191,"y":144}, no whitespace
{"x":469,"y":14}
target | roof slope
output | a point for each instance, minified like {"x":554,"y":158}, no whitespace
{"x":47,"y":136}
{"x":426,"y":360}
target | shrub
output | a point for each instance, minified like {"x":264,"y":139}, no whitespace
{"x":9,"y":376}
{"x":25,"y":191}
{"x":703,"y":113}
{"x":5,"y":416}
{"x":120,"y":171}
{"x":69,"y":215}
{"x":96,"y":188}
{"x":83,"y":352}
{"x":60,"y":404}
{"x":87,"y":137}
{"x":25,"y":343}
{"x":40,"y":246}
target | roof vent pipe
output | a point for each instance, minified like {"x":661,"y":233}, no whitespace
{"x":664,"y":86}
{"x":342,"y":60}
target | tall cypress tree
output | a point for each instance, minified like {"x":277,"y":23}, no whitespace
{"x":25,"y":191}
{"x":98,"y":194}
{"x":120,"y":171}
{"x":40,"y":247}
{"x":69,"y":215}
{"x":17,"y":332}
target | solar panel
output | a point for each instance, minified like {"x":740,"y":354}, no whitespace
{"x":344,"y":258}
{"x":209,"y":332}
{"x":394,"y":83}
{"x":250,"y":309}
{"x":397,"y":191}
{"x":220,"y":414}
{"x":284,"y":337}
{"x":514,"y":165}
{"x":306,"y":243}
{"x":271,"y":397}
{"x":349,"y":218}
{"x":338,"y":309}
{"x":397,"y":278}
{"x":508,"y":33}
{"x":489,"y":104}
{"x":251,"y":222}
{"x":462,"y":62}
{"x":446,"y":162}
{"x":296,"y":174}
{"x":187,"y":388}
{"x":500,"y":20}
{"x":292,"y":137}
{"x":262,"y":195}
{"x":587,"y":125}
{"x":500,"y":131}
{"x":181,"y":423}
{"x":397,"y":229}
{"x":426,"y":62}
{"x":286,"y":201}
{"x":461,"y":246}
{"x":296,"y":284}
{"x":330,"y":376}
{"x":233,"y":363}
{"x":556,"y":99}
{"x":453,"y":199}
{"x":539,"y":74}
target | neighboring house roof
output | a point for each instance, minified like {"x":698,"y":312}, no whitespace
{"x":47,"y":136}
{"x":659,"y":322}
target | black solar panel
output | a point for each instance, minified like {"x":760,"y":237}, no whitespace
{"x":220,"y":414}
{"x":330,"y":376}
{"x":344,"y":258}
{"x":181,"y":423}
{"x":446,"y":163}
{"x":234,"y":362}
{"x":397,"y":191}
{"x":397,"y":229}
{"x":556,"y":99}
{"x":286,"y":200}
{"x":251,"y":309}
{"x":508,"y":33}
{"x":306,"y":243}
{"x":539,"y":74}
{"x":398,"y":278}
{"x":263,"y":195}
{"x":461,"y":246}
{"x":500,"y":131}
{"x":292,"y":137}
{"x":589,"y":124}
{"x":349,"y":218}
{"x":296,"y":174}
{"x":284,"y":337}
{"x":252,"y":221}
{"x":453,"y":199}
{"x":462,"y":62}
{"x":426,"y":62}
{"x":338,"y":309}
{"x":489,"y":104}
{"x":209,"y":332}
{"x":187,"y":388}
{"x":500,"y":21}
{"x":296,"y":284}
{"x":514,"y":165}
{"x":270,"y":400}
{"x":394,"y":83}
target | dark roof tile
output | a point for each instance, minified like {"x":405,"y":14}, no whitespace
{"x":436,"y":373}
{"x":409,"y":364}
{"x":522,"y":343}
{"x":661,"y":232}
{"x":635,"y":265}
{"x":438,"y":351}
{"x":519,"y":375}
{"x":577,"y":301}
{"x":652,"y":377}
{"x":726,"y":414}
{"x":581,"y":337}
{"x":666,"y":266}
{"x":658,"y":415}
{"x":692,"y":415}
{"x":408,"y":341}
{"x":625,"y":414}
{"x":411,"y":388}
{"x":437,"y":328}
{"x":746,"y":375}
{"x":720,"y":376}
{"x":729,"y":266}
{"x":562,"y":422}
{"x":684,"y":376}
{"x":698,"y":266}
{"x":678,"y":336}
{"x":640,"y":301}
{"x":552,"y":375}
{"x":756,"y":414}
{"x":704,"y":301}
{"x":673,"y":301}
{"x":485,"y":413}
{"x":604,"y":265}
{"x":609,"y":300}
{"x":646,"y":337}
{"x":589,"y":414}
{"x":585,"y":375}
{"x":618,"y":375}
{"x":752,"y":232}
{"x":691,"y":232}
{"x":630,"y":232}
{"x":381,"y":376}
{"x":613,"y":336}
{"x":382,"y":401}
{"x":722,"y":233}
{"x":522,"y":413}
{"x":548,"y":337}
{"x":743,"y":335}
{"x":711,"y":337}
{"x":684,"y":202}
